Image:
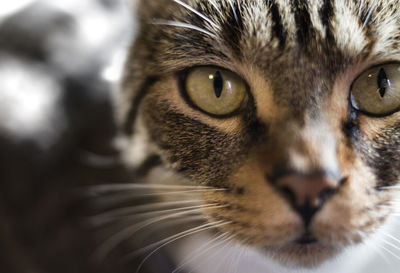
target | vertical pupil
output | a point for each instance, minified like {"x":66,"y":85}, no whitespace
{"x":218,"y":84}
{"x":383,"y":82}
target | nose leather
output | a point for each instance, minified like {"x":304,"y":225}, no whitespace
{"x":307,"y":193}
{"x":308,"y":190}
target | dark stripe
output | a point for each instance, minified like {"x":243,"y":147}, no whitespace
{"x":305,"y":31}
{"x":233,"y":28}
{"x":326,"y":14}
{"x":278,"y":26}
{"x":133,"y":111}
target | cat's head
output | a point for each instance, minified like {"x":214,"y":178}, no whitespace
{"x":291,"y":106}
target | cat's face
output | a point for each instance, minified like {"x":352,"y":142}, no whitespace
{"x":289,"y":105}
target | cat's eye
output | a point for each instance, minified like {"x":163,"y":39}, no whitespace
{"x":215,"y":91}
{"x":377,"y":90}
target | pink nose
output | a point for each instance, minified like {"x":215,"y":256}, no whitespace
{"x":308,"y":190}
{"x":307,"y":193}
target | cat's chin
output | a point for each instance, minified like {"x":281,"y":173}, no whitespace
{"x":306,"y":255}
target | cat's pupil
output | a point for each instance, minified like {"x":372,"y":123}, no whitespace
{"x":383,"y":82}
{"x":218,"y":84}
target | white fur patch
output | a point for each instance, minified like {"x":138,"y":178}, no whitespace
{"x":349,"y":34}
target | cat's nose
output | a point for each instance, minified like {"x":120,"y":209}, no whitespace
{"x":308,"y":193}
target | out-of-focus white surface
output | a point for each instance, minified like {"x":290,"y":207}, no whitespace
{"x":9,"y":7}
{"x":29,"y":102}
{"x":92,"y":44}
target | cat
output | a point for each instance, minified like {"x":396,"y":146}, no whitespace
{"x":280,"y":116}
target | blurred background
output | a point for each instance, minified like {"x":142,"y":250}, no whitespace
{"x":60,"y":62}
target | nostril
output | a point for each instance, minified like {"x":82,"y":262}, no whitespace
{"x":307,"y":193}
{"x":288,"y":194}
{"x":326,"y":194}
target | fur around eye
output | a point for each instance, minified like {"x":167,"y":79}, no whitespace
{"x":377,"y":90}
{"x":215,"y":91}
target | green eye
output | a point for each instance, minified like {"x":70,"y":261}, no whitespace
{"x":377,"y":90}
{"x":215,"y":91}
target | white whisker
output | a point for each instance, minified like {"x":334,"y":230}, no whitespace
{"x":186,"y":6}
{"x":107,"y":201}
{"x":140,"y":210}
{"x":182,"y":25}
{"x":187,"y":220}
{"x":371,"y":9}
{"x":390,"y":252}
{"x":390,"y":244}
{"x":227,"y":242}
{"x":361,"y":8}
{"x":214,"y":4}
{"x":378,"y":250}
{"x":197,"y":230}
{"x":234,"y":11}
{"x":203,"y":249}
{"x":117,"y":238}
{"x":157,"y":244}
{"x":102,"y":220}
{"x":100,"y":189}
{"x":389,"y":187}
{"x":391,"y":236}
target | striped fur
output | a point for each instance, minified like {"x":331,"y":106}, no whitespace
{"x":299,"y":59}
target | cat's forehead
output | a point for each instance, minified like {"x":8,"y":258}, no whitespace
{"x":266,"y":30}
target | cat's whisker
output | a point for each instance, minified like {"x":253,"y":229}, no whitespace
{"x":238,"y":259}
{"x":368,"y":17}
{"x":186,"y":6}
{"x":170,"y":238}
{"x":193,"y":231}
{"x":141,"y":210}
{"x":128,"y":232}
{"x":107,"y":201}
{"x":390,"y":252}
{"x":214,"y":4}
{"x":378,"y":249}
{"x":223,"y":260}
{"x":234,"y":11}
{"x":103,"y":220}
{"x":210,"y":257}
{"x":384,"y":206}
{"x":182,"y":25}
{"x":361,"y":8}
{"x":109,"y":188}
{"x":392,"y":237}
{"x":188,"y":220}
{"x":203,"y":249}
{"x":389,"y":187}
{"x":390,"y":244}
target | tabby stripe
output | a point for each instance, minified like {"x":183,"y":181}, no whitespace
{"x":277,"y":20}
{"x":133,"y":111}
{"x":326,"y":14}
{"x":233,"y":28}
{"x":303,"y":22}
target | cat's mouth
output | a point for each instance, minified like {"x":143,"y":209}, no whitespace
{"x":305,"y":251}
{"x":306,"y":239}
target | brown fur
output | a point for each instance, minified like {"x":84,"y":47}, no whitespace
{"x":299,"y":66}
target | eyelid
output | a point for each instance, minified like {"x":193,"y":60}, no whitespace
{"x":183,"y":77}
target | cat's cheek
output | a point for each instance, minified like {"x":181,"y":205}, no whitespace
{"x":187,"y":140}
{"x":354,"y":213}
{"x":258,"y":216}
